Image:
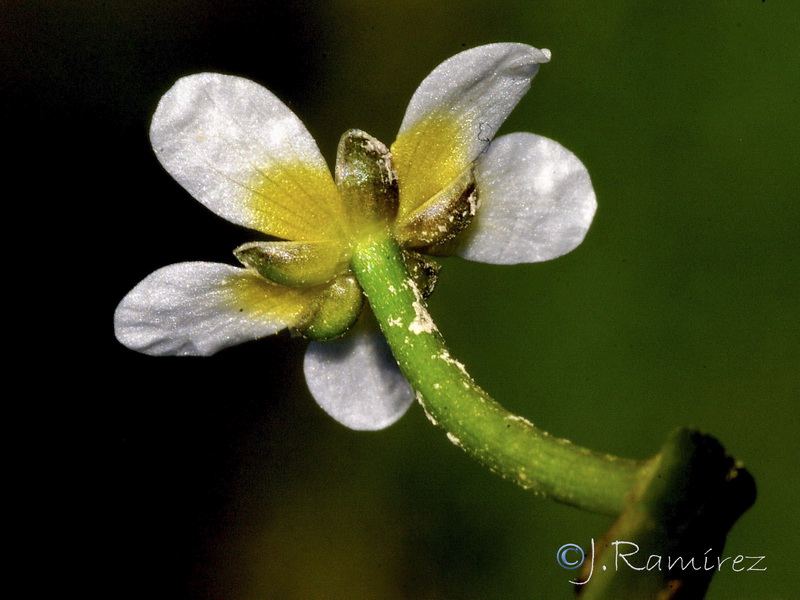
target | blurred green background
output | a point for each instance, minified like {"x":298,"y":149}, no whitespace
{"x":220,"y":478}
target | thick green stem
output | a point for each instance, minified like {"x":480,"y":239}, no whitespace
{"x":508,"y":444}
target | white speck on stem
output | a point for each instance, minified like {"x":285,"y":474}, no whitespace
{"x":422,"y":322}
{"x":445,"y":356}
{"x":454,"y":439}
{"x":431,"y":418}
{"x":519,"y":419}
{"x":409,"y":283}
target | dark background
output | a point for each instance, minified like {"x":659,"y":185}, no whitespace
{"x":220,"y":478}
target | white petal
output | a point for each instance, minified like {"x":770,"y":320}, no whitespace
{"x":356,"y":380}
{"x":478,"y":88}
{"x":198,"y":308}
{"x":454,"y":114}
{"x":245,"y":155}
{"x":536,"y":202}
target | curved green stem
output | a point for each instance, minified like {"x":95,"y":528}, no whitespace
{"x":508,"y":444}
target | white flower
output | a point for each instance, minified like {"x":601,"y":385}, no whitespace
{"x":242,"y":153}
